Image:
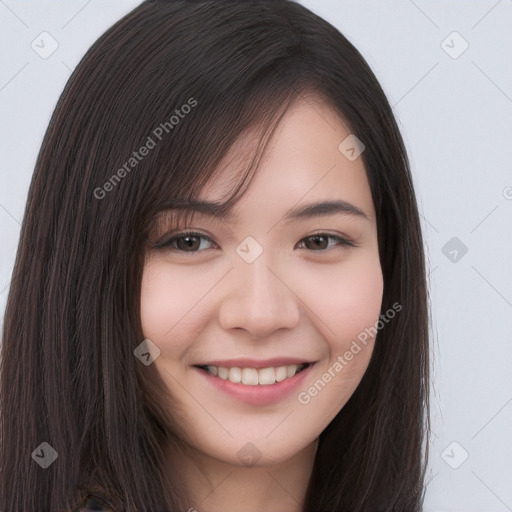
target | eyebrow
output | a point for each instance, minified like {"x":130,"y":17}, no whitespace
{"x":332,"y":207}
{"x":318,"y":209}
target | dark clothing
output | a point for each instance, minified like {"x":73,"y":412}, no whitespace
{"x":93,"y":504}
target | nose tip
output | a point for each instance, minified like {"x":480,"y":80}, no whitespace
{"x":259,"y":301}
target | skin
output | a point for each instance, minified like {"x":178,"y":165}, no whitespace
{"x":293,"y":300}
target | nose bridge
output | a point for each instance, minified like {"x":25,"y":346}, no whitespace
{"x":257,"y":298}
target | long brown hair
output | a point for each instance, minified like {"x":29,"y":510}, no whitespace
{"x":191,"y":76}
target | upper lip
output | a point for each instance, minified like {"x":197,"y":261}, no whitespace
{"x":246,"y":362}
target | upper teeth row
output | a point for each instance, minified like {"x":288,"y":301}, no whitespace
{"x":253,"y":376}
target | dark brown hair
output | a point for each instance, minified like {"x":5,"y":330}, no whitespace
{"x":68,"y":372}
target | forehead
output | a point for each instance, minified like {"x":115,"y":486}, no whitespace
{"x":302,"y":172}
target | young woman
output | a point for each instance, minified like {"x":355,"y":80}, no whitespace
{"x":219,"y":298}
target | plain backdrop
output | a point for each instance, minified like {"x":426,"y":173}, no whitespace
{"x":446,"y":67}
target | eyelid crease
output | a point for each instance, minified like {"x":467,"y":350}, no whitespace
{"x":166,"y":240}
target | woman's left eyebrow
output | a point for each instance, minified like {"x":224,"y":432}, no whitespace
{"x":331,"y":207}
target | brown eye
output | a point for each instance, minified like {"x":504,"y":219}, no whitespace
{"x":320,"y":242}
{"x":184,"y":242}
{"x":192,"y":242}
{"x":317,"y":242}
{"x":188,"y":243}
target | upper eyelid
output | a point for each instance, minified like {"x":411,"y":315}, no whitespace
{"x":165,"y":240}
{"x":180,"y":232}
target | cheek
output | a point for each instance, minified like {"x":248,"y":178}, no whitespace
{"x":157,"y":304}
{"x":346,"y":298}
{"x":170,"y":306}
{"x":360,"y":297}
{"x":348,"y":304}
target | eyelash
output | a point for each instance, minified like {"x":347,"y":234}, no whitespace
{"x":166,"y":243}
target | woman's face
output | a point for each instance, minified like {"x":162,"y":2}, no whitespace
{"x":255,"y":295}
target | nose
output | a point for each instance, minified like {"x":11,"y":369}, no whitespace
{"x":258,"y":299}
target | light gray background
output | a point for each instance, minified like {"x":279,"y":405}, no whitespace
{"x":454,"y":109}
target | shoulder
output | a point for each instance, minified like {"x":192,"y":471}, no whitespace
{"x":93,"y":504}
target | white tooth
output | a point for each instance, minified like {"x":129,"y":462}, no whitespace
{"x":266,"y":376}
{"x":281,"y":373}
{"x":223,"y":373}
{"x":235,"y":374}
{"x":291,"y":370}
{"x":250,"y":376}
{"x":253,"y":376}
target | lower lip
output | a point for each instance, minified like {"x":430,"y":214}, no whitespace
{"x":258,"y":395}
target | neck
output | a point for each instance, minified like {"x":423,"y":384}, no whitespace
{"x":218,"y":486}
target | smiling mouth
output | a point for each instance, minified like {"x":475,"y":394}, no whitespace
{"x":255,"y":376}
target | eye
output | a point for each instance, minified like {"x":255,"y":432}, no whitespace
{"x":188,"y":241}
{"x":191,"y":242}
{"x":319,"y":241}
